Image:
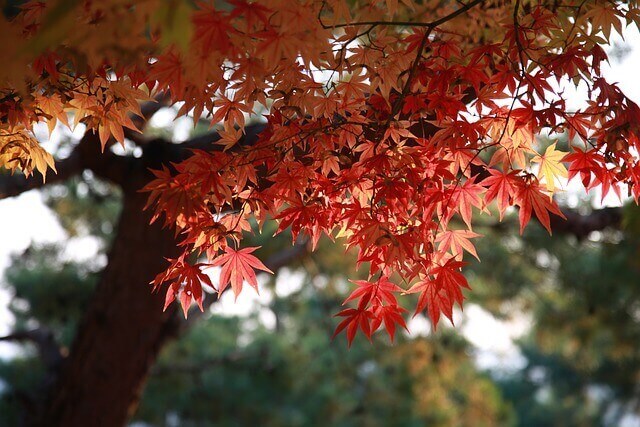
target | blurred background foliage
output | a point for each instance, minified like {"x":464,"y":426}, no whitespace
{"x":581,"y":355}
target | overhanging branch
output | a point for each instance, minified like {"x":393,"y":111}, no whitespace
{"x":86,"y":155}
{"x":148,"y":110}
{"x":577,"y":224}
{"x":44,"y":341}
{"x":581,"y":225}
{"x":16,"y":184}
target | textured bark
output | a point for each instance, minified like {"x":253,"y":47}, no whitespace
{"x":122,"y":332}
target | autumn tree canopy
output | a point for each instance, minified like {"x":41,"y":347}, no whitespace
{"x":389,"y":125}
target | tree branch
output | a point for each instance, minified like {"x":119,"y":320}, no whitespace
{"x":86,"y":155}
{"x":577,"y":224}
{"x":432,"y":24}
{"x":148,"y":109}
{"x":582,"y":225}
{"x":16,"y":184}
{"x":46,"y":344}
{"x":106,"y":165}
{"x":207,"y":141}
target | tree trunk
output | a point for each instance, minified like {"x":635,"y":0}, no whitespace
{"x":122,"y":331}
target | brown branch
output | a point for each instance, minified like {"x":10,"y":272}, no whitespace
{"x":576,"y":224}
{"x":581,"y":226}
{"x":16,"y":184}
{"x":43,"y":339}
{"x":431,"y":24}
{"x":159,"y":151}
{"x":86,"y":155}
{"x":148,"y":110}
{"x":284,"y":258}
{"x":397,"y":105}
{"x":105,"y":165}
{"x":207,"y":141}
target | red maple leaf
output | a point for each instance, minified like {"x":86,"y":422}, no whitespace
{"x":389,"y":315}
{"x":501,"y":187}
{"x":465,"y":196}
{"x":186,"y":283}
{"x":585,"y":163}
{"x":237,"y":267}
{"x":438,"y":294}
{"x":354,"y":318}
{"x":531,"y":196}
{"x":382,"y":290}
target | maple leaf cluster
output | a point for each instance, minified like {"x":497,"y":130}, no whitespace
{"x":389,"y":125}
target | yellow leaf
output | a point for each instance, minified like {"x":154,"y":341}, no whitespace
{"x":19,"y":150}
{"x":53,"y":108}
{"x":551,"y":166}
{"x":40,"y":159}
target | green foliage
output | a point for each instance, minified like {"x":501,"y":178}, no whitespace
{"x":233,"y":371}
{"x":49,"y":291}
{"x":20,"y":382}
{"x":583,"y":362}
